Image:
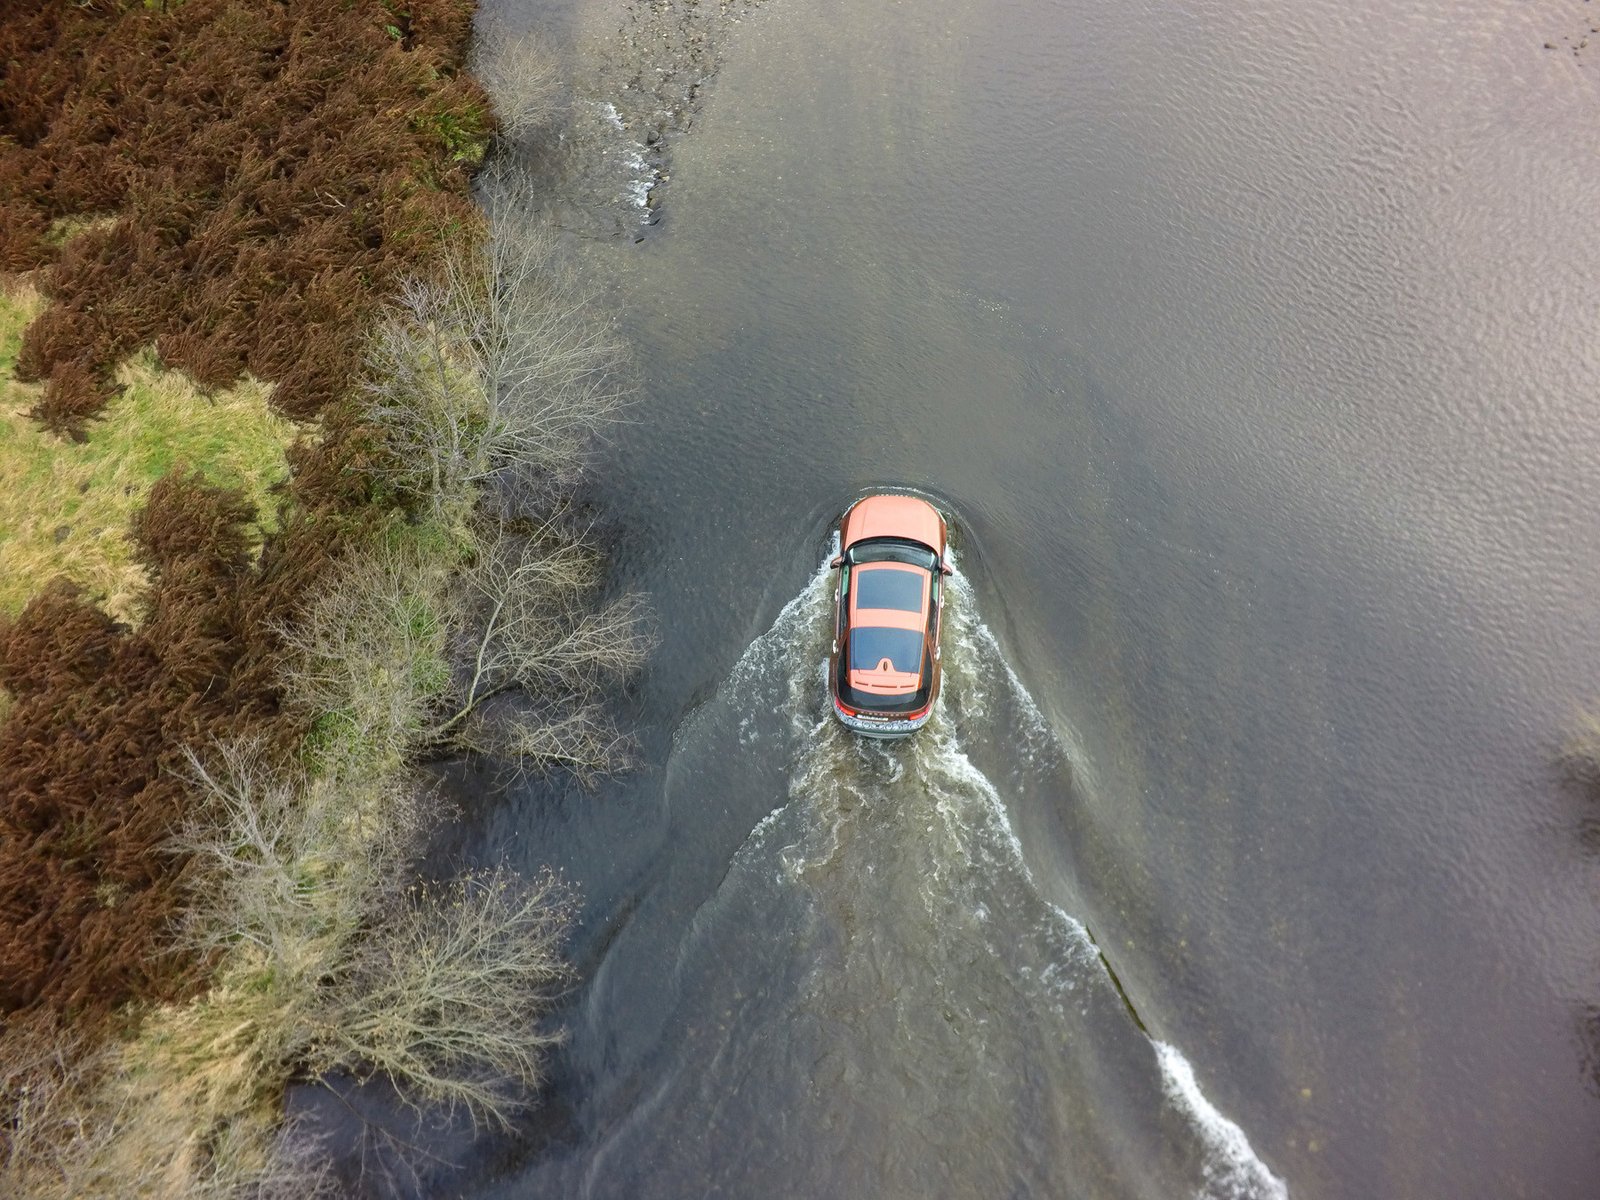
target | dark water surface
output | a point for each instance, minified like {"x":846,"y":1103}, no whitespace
{"x":1252,"y":350}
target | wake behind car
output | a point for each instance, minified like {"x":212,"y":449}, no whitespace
{"x":883,"y":670}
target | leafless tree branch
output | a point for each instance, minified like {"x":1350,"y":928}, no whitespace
{"x":504,"y":366}
{"x":521,"y":75}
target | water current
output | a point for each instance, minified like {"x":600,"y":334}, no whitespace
{"x":875,"y":998}
{"x":1251,"y":347}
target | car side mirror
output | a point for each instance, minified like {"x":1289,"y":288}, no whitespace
{"x":838,"y":561}
{"x":946,"y":569}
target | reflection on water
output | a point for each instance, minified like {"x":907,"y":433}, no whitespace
{"x":875,"y":1000}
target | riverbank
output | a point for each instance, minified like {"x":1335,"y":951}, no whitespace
{"x":210,"y":735}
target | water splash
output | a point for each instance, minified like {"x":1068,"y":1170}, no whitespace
{"x":1232,"y":1170}
{"x":976,"y":819}
{"x":871,"y":994}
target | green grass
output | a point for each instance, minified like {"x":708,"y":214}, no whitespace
{"x":463,"y":131}
{"x":64,"y":229}
{"x":66,"y":506}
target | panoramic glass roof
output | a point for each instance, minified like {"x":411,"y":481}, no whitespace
{"x":890,"y":587}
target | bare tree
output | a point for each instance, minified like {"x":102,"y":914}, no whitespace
{"x":397,"y":659}
{"x":532,"y":627}
{"x":334,"y":958}
{"x":428,"y":400}
{"x":577,"y":737}
{"x":522,"y":76}
{"x":447,"y":994}
{"x":503,"y":367}
{"x":282,"y":857}
{"x":81,"y":1125}
{"x":367,"y":655}
{"x":47,"y":1076}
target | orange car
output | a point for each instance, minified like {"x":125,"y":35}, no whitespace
{"x":883,"y":672}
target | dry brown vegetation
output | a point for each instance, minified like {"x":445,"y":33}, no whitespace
{"x":98,"y":718}
{"x":322,"y":956}
{"x":210,"y":813}
{"x":274,"y":171}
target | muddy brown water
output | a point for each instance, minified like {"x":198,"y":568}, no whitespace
{"x":1251,"y":349}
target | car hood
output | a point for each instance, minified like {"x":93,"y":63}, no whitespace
{"x":894,"y":516}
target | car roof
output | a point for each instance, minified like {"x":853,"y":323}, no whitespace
{"x":891,"y":612}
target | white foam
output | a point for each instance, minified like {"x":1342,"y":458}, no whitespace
{"x":644,"y":178}
{"x":955,"y":760}
{"x":631,"y":157}
{"x":1232,"y":1169}
{"x":763,"y":659}
{"x":975,"y":637}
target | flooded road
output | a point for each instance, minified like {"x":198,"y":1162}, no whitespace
{"x":875,"y":998}
{"x":1252,"y":351}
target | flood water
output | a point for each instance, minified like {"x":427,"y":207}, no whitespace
{"x":1252,"y":350}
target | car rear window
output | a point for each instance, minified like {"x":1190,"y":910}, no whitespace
{"x":869,"y":646}
{"x":889,"y":587}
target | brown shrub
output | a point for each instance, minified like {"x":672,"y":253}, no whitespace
{"x":190,"y":520}
{"x":212,"y":361}
{"x":217,"y":127}
{"x":53,"y":337}
{"x":24,"y":243}
{"x":66,"y":749}
{"x":90,"y":747}
{"x":62,"y":643}
{"x":39,"y":45}
{"x":278,"y":169}
{"x":72,"y":395}
{"x":445,"y":24}
{"x":94,"y":319}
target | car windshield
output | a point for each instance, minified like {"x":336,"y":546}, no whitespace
{"x":870,"y":645}
{"x":893,"y":550}
{"x":890,"y":587}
